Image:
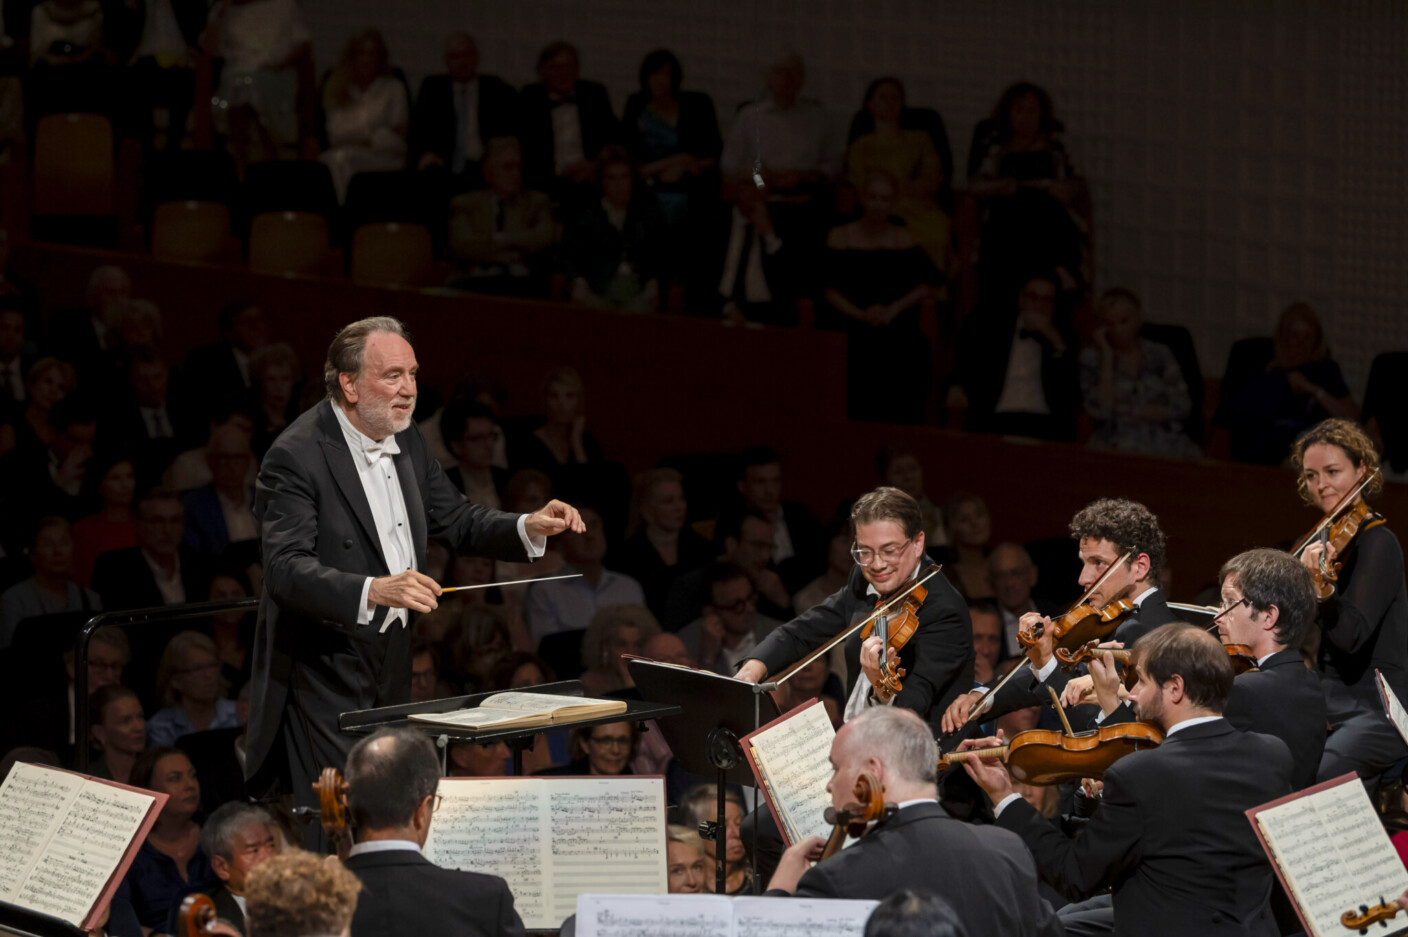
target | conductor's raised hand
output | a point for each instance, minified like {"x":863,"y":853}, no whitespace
{"x":554,"y":518}
{"x":410,"y":589}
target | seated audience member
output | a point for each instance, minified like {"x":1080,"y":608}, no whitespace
{"x":875,"y":278}
{"x":969,"y":533}
{"x":606,"y":750}
{"x":119,"y":731}
{"x":219,"y":757}
{"x":299,"y":894}
{"x":471,"y":432}
{"x":220,"y":515}
{"x":158,"y":571}
{"x":152,"y":422}
{"x":426,"y":684}
{"x":458,"y":113}
{"x":838,"y":570}
{"x":366,"y":110}
{"x":191,"y":469}
{"x":614,"y":630}
{"x":170,"y":860}
{"x":908,"y":156}
{"x":701,"y":803}
{"x":275,"y":377}
{"x":987,"y":641}
{"x":14,"y":362}
{"x":757,"y":275}
{"x":814,"y":681}
{"x":35,"y":483}
{"x":1133,"y":388}
{"x":667,"y":647}
{"x":48,"y":381}
{"x":747,"y":544}
{"x":534,"y":486}
{"x":81,"y":336}
{"x":220,"y":370}
{"x":563,"y":122}
{"x":136,"y":323}
{"x":476,"y":643}
{"x":986,"y":874}
{"x":673,"y":136}
{"x":392,"y":777}
{"x":914,"y":913}
{"x":501,"y":236}
{"x":660,"y":545}
{"x":232,"y":631}
{"x":730,"y":626}
{"x":797,"y":538}
{"x":49,"y":720}
{"x":685,"y":862}
{"x":1030,"y":193}
{"x":1013,"y":575}
{"x":1015,"y":372}
{"x":798,"y":154}
{"x":265,"y":100}
{"x":188,"y":681}
{"x":1274,"y":391}
{"x":51,"y":590}
{"x":472,"y":760}
{"x":110,"y":485}
{"x":899,"y":467}
{"x":238,"y":838}
{"x":569,"y":604}
{"x":612,"y":244}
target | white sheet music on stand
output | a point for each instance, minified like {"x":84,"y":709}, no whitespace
{"x":1396,"y":714}
{"x":719,"y":916}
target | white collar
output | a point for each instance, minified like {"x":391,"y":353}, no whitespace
{"x":918,"y":800}
{"x":1144,"y":595}
{"x":383,"y":845}
{"x":359,"y":442}
{"x":1196,"y":721}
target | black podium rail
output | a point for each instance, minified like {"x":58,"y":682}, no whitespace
{"x":127,"y":619}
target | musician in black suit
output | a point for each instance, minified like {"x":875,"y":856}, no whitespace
{"x":984,"y":873}
{"x":1104,"y":531}
{"x":391,"y":780}
{"x":1170,"y":835}
{"x":458,"y":113}
{"x":347,"y":498}
{"x":563,"y":123}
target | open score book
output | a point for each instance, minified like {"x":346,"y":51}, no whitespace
{"x":524,"y":710}
{"x":791,"y":758}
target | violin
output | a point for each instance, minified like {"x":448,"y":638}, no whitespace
{"x":1243,"y":661}
{"x":1378,"y":914}
{"x":1082,"y":624}
{"x":1338,"y":529}
{"x":1046,"y":756}
{"x":332,"y":810}
{"x":852,"y":819}
{"x":895,"y":627}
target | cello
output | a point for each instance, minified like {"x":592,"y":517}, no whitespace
{"x":332,"y":810}
{"x":197,"y":918}
{"x":853,"y":818}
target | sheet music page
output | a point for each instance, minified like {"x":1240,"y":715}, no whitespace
{"x":795,"y":757}
{"x":472,"y":718}
{"x":654,"y":915}
{"x":607,"y":835}
{"x":1334,"y":853}
{"x":800,"y":917}
{"x":33,"y":801}
{"x":537,"y":703}
{"x":499,"y":827}
{"x":1396,"y":713}
{"x":84,"y":851}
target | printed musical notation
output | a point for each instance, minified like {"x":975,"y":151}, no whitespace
{"x":793,"y":755}
{"x":718,"y":916}
{"x":792,"y":917}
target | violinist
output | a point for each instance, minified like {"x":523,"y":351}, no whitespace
{"x":1364,"y":623}
{"x":1269,"y":603}
{"x":984,"y":873}
{"x":1169,"y":835}
{"x":1104,"y":531}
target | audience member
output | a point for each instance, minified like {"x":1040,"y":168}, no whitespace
{"x":118,"y":730}
{"x":392,"y":777}
{"x":51,"y":590}
{"x":170,"y":859}
{"x":49,"y":720}
{"x":470,"y":431}
{"x":987,"y":641}
{"x":478,"y":642}
{"x":275,"y":377}
{"x":969,"y":533}
{"x":188,"y":682}
{"x":299,"y":894}
{"x":473,"y":760}
{"x":700,"y":804}
{"x":569,"y":604}
{"x":110,"y":485}
{"x":35,"y":482}
{"x":81,"y":336}
{"x":1013,"y":575}
{"x":563,"y":122}
{"x":914,"y":912}
{"x":908,"y":156}
{"x":159,"y":43}
{"x":220,"y":515}
{"x":367,"y":112}
{"x":613,"y":244}
{"x":615,"y":630}
{"x":232,"y":631}
{"x":458,"y":113}
{"x":48,"y":381}
{"x":685,"y":861}
{"x":667,"y":647}
{"x":757,"y":272}
{"x":1134,"y":389}
{"x":154,"y":424}
{"x":660,"y":545}
{"x":875,"y":278}
{"x":191,"y":469}
{"x":814,"y":681}
{"x":797,"y":152}
{"x":238,"y":838}
{"x":730,"y":626}
{"x":1015,"y":372}
{"x":747,"y":544}
{"x":158,"y":571}
{"x":604,"y":750}
{"x":524,"y":669}
{"x":898,"y":466}
{"x":568,"y":453}
{"x":797,"y":538}
{"x":501,"y":236}
{"x":219,"y":758}
{"x":221,"y":370}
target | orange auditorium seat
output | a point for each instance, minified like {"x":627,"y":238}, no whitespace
{"x":291,"y":242}
{"x":74,"y":166}
{"x":193,"y":231}
{"x":393,"y":254}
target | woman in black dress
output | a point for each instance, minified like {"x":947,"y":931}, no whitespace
{"x":660,"y":544}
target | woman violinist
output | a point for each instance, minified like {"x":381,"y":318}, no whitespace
{"x":1364,"y":621}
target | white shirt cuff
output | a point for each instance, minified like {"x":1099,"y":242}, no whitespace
{"x":1047,"y":671}
{"x":365,"y":609}
{"x":1002,"y":804}
{"x":536,"y":546}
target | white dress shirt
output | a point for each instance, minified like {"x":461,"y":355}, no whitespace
{"x":797,"y":139}
{"x":173,"y":590}
{"x":239,"y":518}
{"x":1021,"y":388}
{"x":566,"y":137}
{"x":468,"y":146}
{"x":156,"y":422}
{"x":382,"y":845}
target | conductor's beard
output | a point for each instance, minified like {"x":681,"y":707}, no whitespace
{"x":386,"y":417}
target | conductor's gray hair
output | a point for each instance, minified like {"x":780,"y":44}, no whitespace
{"x":899,"y":740}
{"x":349,"y":347}
{"x":218,"y":836}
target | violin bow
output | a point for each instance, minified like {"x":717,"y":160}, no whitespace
{"x":985,"y":704}
{"x":1212,"y":625}
{"x":1329,"y":518}
{"x":884,"y":609}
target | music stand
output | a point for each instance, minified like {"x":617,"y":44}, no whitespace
{"x":719,"y":709}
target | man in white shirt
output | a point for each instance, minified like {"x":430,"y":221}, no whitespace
{"x":789,"y":135}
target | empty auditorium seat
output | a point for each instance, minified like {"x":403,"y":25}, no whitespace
{"x":193,"y":231}
{"x":393,"y":254}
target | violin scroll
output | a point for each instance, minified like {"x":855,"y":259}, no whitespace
{"x":1365,"y":916}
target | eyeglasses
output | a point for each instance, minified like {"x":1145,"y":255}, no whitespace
{"x":864,"y":556}
{"x":616,"y":741}
{"x":435,"y":801}
{"x":741,"y":606}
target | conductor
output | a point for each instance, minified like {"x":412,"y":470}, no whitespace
{"x":346,"y":499}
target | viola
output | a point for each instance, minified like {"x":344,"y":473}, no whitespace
{"x":852,"y":819}
{"x":1081,"y":625}
{"x":1379,"y":913}
{"x":332,"y":810}
{"x":1046,"y":756}
{"x":1337,"y":530}
{"x":896,"y":626}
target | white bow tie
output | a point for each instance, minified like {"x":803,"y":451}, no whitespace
{"x":375,"y":450}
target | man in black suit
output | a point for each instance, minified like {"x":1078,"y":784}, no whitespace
{"x":754,"y":276}
{"x":984,"y":873}
{"x":1170,"y":835}
{"x":1104,"y":531}
{"x":237,"y":838}
{"x":564,"y":123}
{"x":458,"y":113}
{"x":149,"y":419}
{"x":1271,"y":603}
{"x":1013,"y":576}
{"x":347,"y":499}
{"x":81,"y":336}
{"x":1017,"y":373}
{"x":391,"y":780}
{"x":799,"y":542}
{"x":220,"y":371}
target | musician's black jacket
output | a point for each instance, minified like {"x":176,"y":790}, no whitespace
{"x":938,"y":660}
